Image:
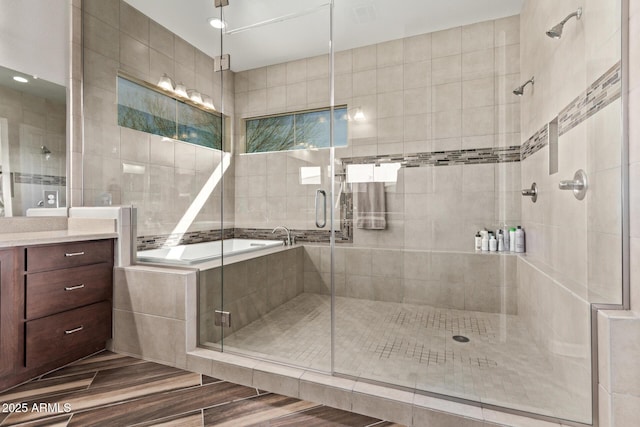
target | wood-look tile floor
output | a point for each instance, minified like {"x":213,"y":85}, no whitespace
{"x":109,"y":389}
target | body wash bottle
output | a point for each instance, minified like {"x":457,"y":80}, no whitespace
{"x":520,"y":242}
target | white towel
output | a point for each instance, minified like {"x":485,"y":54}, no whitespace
{"x":370,"y":205}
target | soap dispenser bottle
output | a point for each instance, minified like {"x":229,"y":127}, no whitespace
{"x":520,"y":242}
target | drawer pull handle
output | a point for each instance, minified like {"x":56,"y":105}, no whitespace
{"x":74,"y":253}
{"x":73,"y":288}
{"x":73,"y":331}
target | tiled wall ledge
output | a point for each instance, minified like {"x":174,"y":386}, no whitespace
{"x":597,"y":96}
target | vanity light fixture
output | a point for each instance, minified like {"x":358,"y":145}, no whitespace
{"x":195,"y":96}
{"x":181,"y":90}
{"x":208,"y":102}
{"x":359,"y":115}
{"x":166,"y":83}
{"x":20,"y":79}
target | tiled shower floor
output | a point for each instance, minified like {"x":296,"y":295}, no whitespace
{"x":412,"y":346}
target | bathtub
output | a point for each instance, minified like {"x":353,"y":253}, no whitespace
{"x":207,"y":251}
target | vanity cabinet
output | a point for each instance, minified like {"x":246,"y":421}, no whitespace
{"x":9,"y":318}
{"x":61,"y":306}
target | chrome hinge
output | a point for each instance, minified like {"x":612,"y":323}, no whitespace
{"x":221,"y":3}
{"x":222,"y":318}
{"x":222,"y":62}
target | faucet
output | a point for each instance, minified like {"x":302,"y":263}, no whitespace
{"x":289,"y":241}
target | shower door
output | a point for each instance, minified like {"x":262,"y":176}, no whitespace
{"x":442,"y":129}
{"x":282,"y":116}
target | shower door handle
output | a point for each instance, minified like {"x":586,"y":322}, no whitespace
{"x":324,"y":208}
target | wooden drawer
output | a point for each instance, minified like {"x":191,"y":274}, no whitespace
{"x":66,"y":255}
{"x":60,"y":290}
{"x":55,"y":337}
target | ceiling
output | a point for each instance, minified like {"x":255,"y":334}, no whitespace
{"x":302,"y":26}
{"x":35,"y":86}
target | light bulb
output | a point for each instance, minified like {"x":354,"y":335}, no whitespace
{"x":359,"y":115}
{"x":181,"y":90}
{"x":166,"y":83}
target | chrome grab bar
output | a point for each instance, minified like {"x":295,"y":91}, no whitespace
{"x":74,"y":254}
{"x":72,"y":331}
{"x":324,"y":208}
{"x":578,"y":184}
{"x":73,"y":288}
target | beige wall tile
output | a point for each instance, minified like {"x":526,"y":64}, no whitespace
{"x":417,"y":48}
{"x":446,"y":42}
{"x":478,"y":36}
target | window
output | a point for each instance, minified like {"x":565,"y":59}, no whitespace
{"x":296,"y":131}
{"x":147,"y":110}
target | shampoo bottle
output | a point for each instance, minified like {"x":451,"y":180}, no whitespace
{"x":478,"y":245}
{"x":520,"y":242}
{"x":505,"y":235}
{"x":500,"y":241}
{"x":493,"y":244}
{"x":512,"y":239}
{"x":485,"y":242}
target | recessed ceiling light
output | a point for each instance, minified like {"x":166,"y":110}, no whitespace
{"x":20,"y":79}
{"x":217,"y":23}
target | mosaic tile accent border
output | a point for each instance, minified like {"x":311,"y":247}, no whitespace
{"x":168,"y":240}
{"x":601,"y":93}
{"x":444,"y":158}
{"x":535,"y":143}
{"x":164,"y":240}
{"x":300,"y":235}
{"x":598,"y":95}
{"x":29,"y":178}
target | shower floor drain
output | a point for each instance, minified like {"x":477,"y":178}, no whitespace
{"x":460,"y":338}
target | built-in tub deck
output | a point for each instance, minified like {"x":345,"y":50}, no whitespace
{"x":197,"y":254}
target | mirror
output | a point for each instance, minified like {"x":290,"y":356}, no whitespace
{"x":33,"y":112}
{"x":32,"y":143}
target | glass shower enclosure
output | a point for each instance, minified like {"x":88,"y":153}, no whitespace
{"x":381,"y":139}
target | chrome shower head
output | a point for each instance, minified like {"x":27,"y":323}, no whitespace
{"x":44,"y":150}
{"x":520,"y":89}
{"x":556,"y":31}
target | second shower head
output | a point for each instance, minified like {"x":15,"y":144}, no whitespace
{"x":520,"y":89}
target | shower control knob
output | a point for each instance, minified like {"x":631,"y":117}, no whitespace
{"x":531,"y":192}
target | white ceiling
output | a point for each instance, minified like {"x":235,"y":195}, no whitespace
{"x":356,"y":23}
{"x":33,"y":38}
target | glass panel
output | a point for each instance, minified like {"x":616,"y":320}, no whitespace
{"x":278,"y":297}
{"x":420,"y":306}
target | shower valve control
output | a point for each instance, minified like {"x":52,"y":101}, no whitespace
{"x":531,"y":192}
{"x":578,"y":184}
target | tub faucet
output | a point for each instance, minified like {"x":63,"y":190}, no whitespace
{"x":288,"y":241}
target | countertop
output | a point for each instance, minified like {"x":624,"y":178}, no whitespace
{"x":44,"y":237}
